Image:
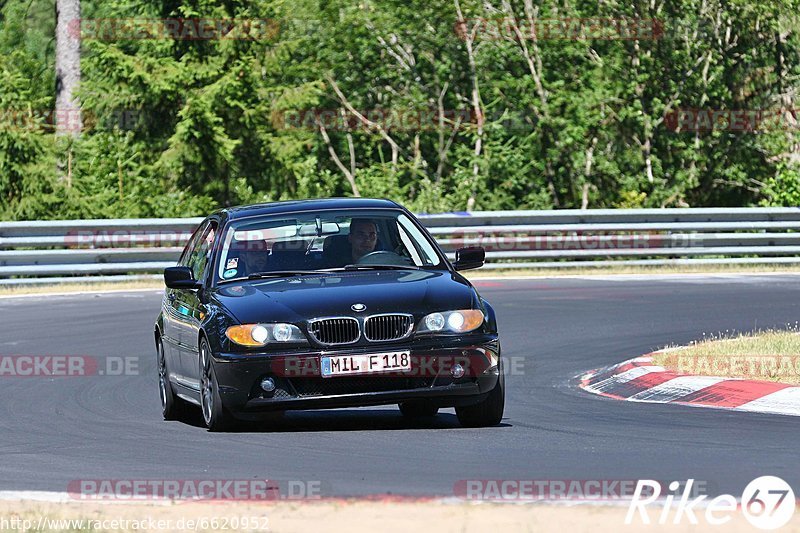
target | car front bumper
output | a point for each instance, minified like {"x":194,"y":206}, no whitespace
{"x":299,"y":384}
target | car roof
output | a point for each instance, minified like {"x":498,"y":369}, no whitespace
{"x":294,"y":206}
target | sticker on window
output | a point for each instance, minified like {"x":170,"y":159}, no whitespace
{"x":228,"y":274}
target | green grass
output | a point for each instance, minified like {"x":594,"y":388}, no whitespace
{"x":13,"y":290}
{"x":772,"y":355}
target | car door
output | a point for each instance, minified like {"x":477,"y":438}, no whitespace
{"x":190,"y":306}
{"x":173,"y":323}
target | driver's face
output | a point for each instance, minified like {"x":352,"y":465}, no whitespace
{"x":363,"y":238}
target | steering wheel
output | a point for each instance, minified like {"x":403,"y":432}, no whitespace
{"x":382,"y":257}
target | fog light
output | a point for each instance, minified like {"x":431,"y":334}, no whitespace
{"x":268,"y":384}
{"x":457,"y":371}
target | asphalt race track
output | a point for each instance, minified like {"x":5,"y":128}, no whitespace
{"x":55,"y":430}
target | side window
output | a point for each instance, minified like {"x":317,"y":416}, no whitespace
{"x":200,"y":255}
{"x":187,"y":251}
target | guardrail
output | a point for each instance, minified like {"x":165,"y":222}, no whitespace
{"x":32,"y":252}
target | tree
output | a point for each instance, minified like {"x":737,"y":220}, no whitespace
{"x":68,"y":119}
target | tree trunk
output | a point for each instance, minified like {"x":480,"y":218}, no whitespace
{"x":477,"y":109}
{"x":68,"y":67}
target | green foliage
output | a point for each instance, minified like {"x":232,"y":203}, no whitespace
{"x":383,"y":91}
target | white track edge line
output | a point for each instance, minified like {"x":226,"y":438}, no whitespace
{"x":75,"y":293}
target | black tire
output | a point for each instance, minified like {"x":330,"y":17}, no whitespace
{"x":215,"y":416}
{"x":489,"y":412}
{"x":172,"y":407}
{"x":418,"y":410}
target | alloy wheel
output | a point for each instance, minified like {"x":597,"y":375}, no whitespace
{"x":206,"y":384}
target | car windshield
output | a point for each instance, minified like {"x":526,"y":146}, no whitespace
{"x":331,"y":241}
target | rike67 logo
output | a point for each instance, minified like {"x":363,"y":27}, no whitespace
{"x":767,"y":502}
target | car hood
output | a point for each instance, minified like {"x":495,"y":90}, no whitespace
{"x":298,"y":299}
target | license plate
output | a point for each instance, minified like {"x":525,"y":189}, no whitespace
{"x":350,"y":365}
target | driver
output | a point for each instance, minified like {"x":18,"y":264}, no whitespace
{"x":363,"y":237}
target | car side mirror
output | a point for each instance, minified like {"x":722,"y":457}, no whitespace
{"x":468,"y":258}
{"x":180,"y":277}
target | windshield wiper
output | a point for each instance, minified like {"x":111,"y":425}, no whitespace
{"x":283,"y":273}
{"x":381,"y":267}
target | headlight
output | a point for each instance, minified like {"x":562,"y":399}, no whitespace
{"x":263,"y":334}
{"x":460,"y":321}
{"x":282,"y":332}
{"x":260,"y":334}
{"x":434,"y":322}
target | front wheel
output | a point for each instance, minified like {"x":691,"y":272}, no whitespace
{"x":489,"y":412}
{"x":215,"y":415}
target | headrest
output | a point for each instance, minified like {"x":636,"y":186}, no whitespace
{"x":290,"y":246}
{"x":335,"y":242}
{"x":258,"y":245}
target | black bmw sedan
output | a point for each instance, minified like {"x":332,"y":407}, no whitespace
{"x":324,"y":304}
